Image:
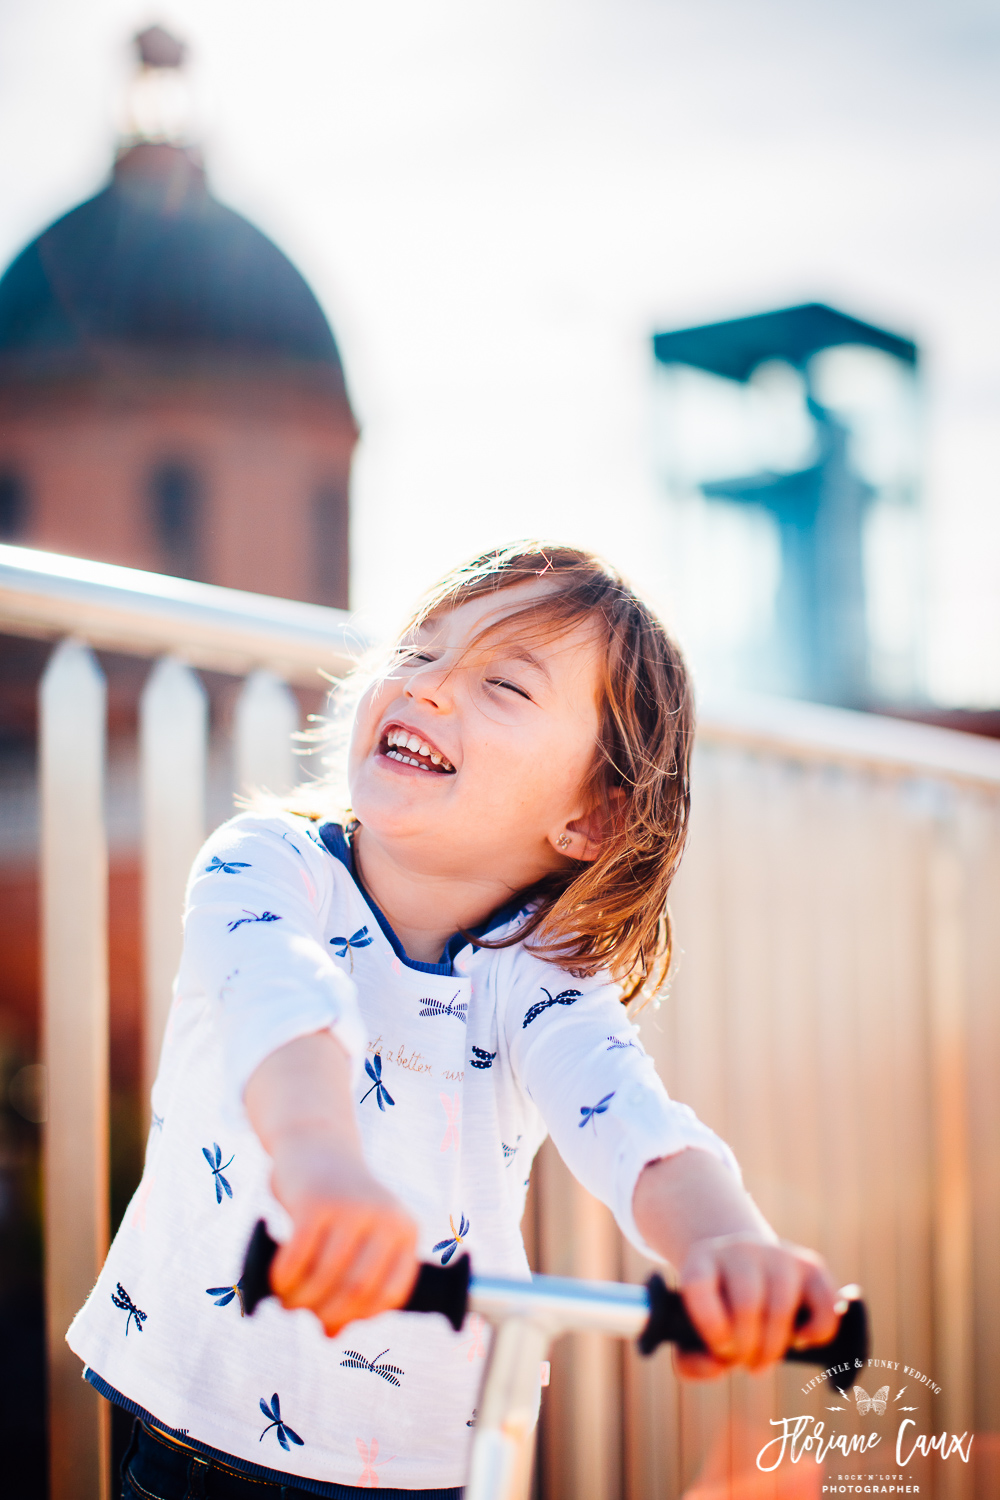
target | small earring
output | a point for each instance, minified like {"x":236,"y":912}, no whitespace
{"x":563,"y":841}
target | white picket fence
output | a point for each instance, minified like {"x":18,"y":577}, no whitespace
{"x":835,"y":1014}
{"x":179,"y":625}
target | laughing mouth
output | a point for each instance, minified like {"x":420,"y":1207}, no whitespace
{"x":411,"y":749}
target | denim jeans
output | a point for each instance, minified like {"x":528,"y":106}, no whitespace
{"x":156,"y":1470}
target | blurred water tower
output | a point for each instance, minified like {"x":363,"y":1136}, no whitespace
{"x":787,"y":446}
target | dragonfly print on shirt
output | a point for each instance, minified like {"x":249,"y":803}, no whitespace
{"x":218,"y":1166}
{"x":343,"y":946}
{"x":251,"y":917}
{"x":591,"y":1111}
{"x":141,"y":1201}
{"x":509,"y":1152}
{"x":277,"y":1421}
{"x":353,"y":1360}
{"x":225,"y":866}
{"x":475,"y":1348}
{"x":124,"y":1301}
{"x":452,"y":1109}
{"x":457,"y":1236}
{"x":223,"y":1295}
{"x":455,"y":1007}
{"x":564,"y":997}
{"x":303,"y":871}
{"x":369,"y":1458}
{"x":373,"y":1067}
{"x":617,"y":1045}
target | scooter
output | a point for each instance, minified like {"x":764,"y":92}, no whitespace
{"x":527,"y":1316}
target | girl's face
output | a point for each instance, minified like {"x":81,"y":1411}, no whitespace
{"x":469,"y":760}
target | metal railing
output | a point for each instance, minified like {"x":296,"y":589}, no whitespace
{"x":81,"y":605}
{"x":835,"y":1013}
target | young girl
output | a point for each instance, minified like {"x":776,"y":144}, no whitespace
{"x":376,"y":1025}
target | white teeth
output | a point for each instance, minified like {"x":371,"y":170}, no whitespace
{"x":400,"y":740}
{"x":407,"y":760}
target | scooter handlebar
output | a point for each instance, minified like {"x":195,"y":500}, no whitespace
{"x":669,"y":1323}
{"x":441,"y":1289}
{"x":445,"y":1289}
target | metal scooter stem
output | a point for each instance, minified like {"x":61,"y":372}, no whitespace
{"x":526,"y":1318}
{"x":504,"y":1438}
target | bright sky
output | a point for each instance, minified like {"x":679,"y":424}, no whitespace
{"x":498,"y":203}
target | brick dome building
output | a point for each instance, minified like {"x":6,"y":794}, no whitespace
{"x":171,"y":394}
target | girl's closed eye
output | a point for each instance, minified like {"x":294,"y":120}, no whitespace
{"x":502,"y":682}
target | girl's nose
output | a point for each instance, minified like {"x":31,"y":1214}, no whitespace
{"x":430,"y":683}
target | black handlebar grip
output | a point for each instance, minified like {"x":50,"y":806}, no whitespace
{"x":256,"y":1279}
{"x":443,"y":1289}
{"x":669,"y":1323}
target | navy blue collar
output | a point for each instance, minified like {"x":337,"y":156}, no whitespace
{"x":337,"y":843}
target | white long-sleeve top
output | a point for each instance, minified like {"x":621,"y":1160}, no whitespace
{"x":461,"y":1069}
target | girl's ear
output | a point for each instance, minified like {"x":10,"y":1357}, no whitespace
{"x":581,"y":838}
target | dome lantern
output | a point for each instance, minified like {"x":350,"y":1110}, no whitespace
{"x":159,"y":105}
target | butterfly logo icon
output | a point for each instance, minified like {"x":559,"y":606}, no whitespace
{"x":877,"y":1402}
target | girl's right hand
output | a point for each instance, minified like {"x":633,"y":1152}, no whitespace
{"x":352,"y":1253}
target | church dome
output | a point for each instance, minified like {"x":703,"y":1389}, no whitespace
{"x":153,"y":270}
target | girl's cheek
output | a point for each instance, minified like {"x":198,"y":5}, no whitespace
{"x":362,"y":730}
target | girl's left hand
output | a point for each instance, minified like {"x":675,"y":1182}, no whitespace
{"x":742,"y":1292}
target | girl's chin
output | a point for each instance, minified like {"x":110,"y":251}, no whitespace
{"x":393,"y":804}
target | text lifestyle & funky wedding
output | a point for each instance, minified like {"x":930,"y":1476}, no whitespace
{"x":873,"y":1364}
